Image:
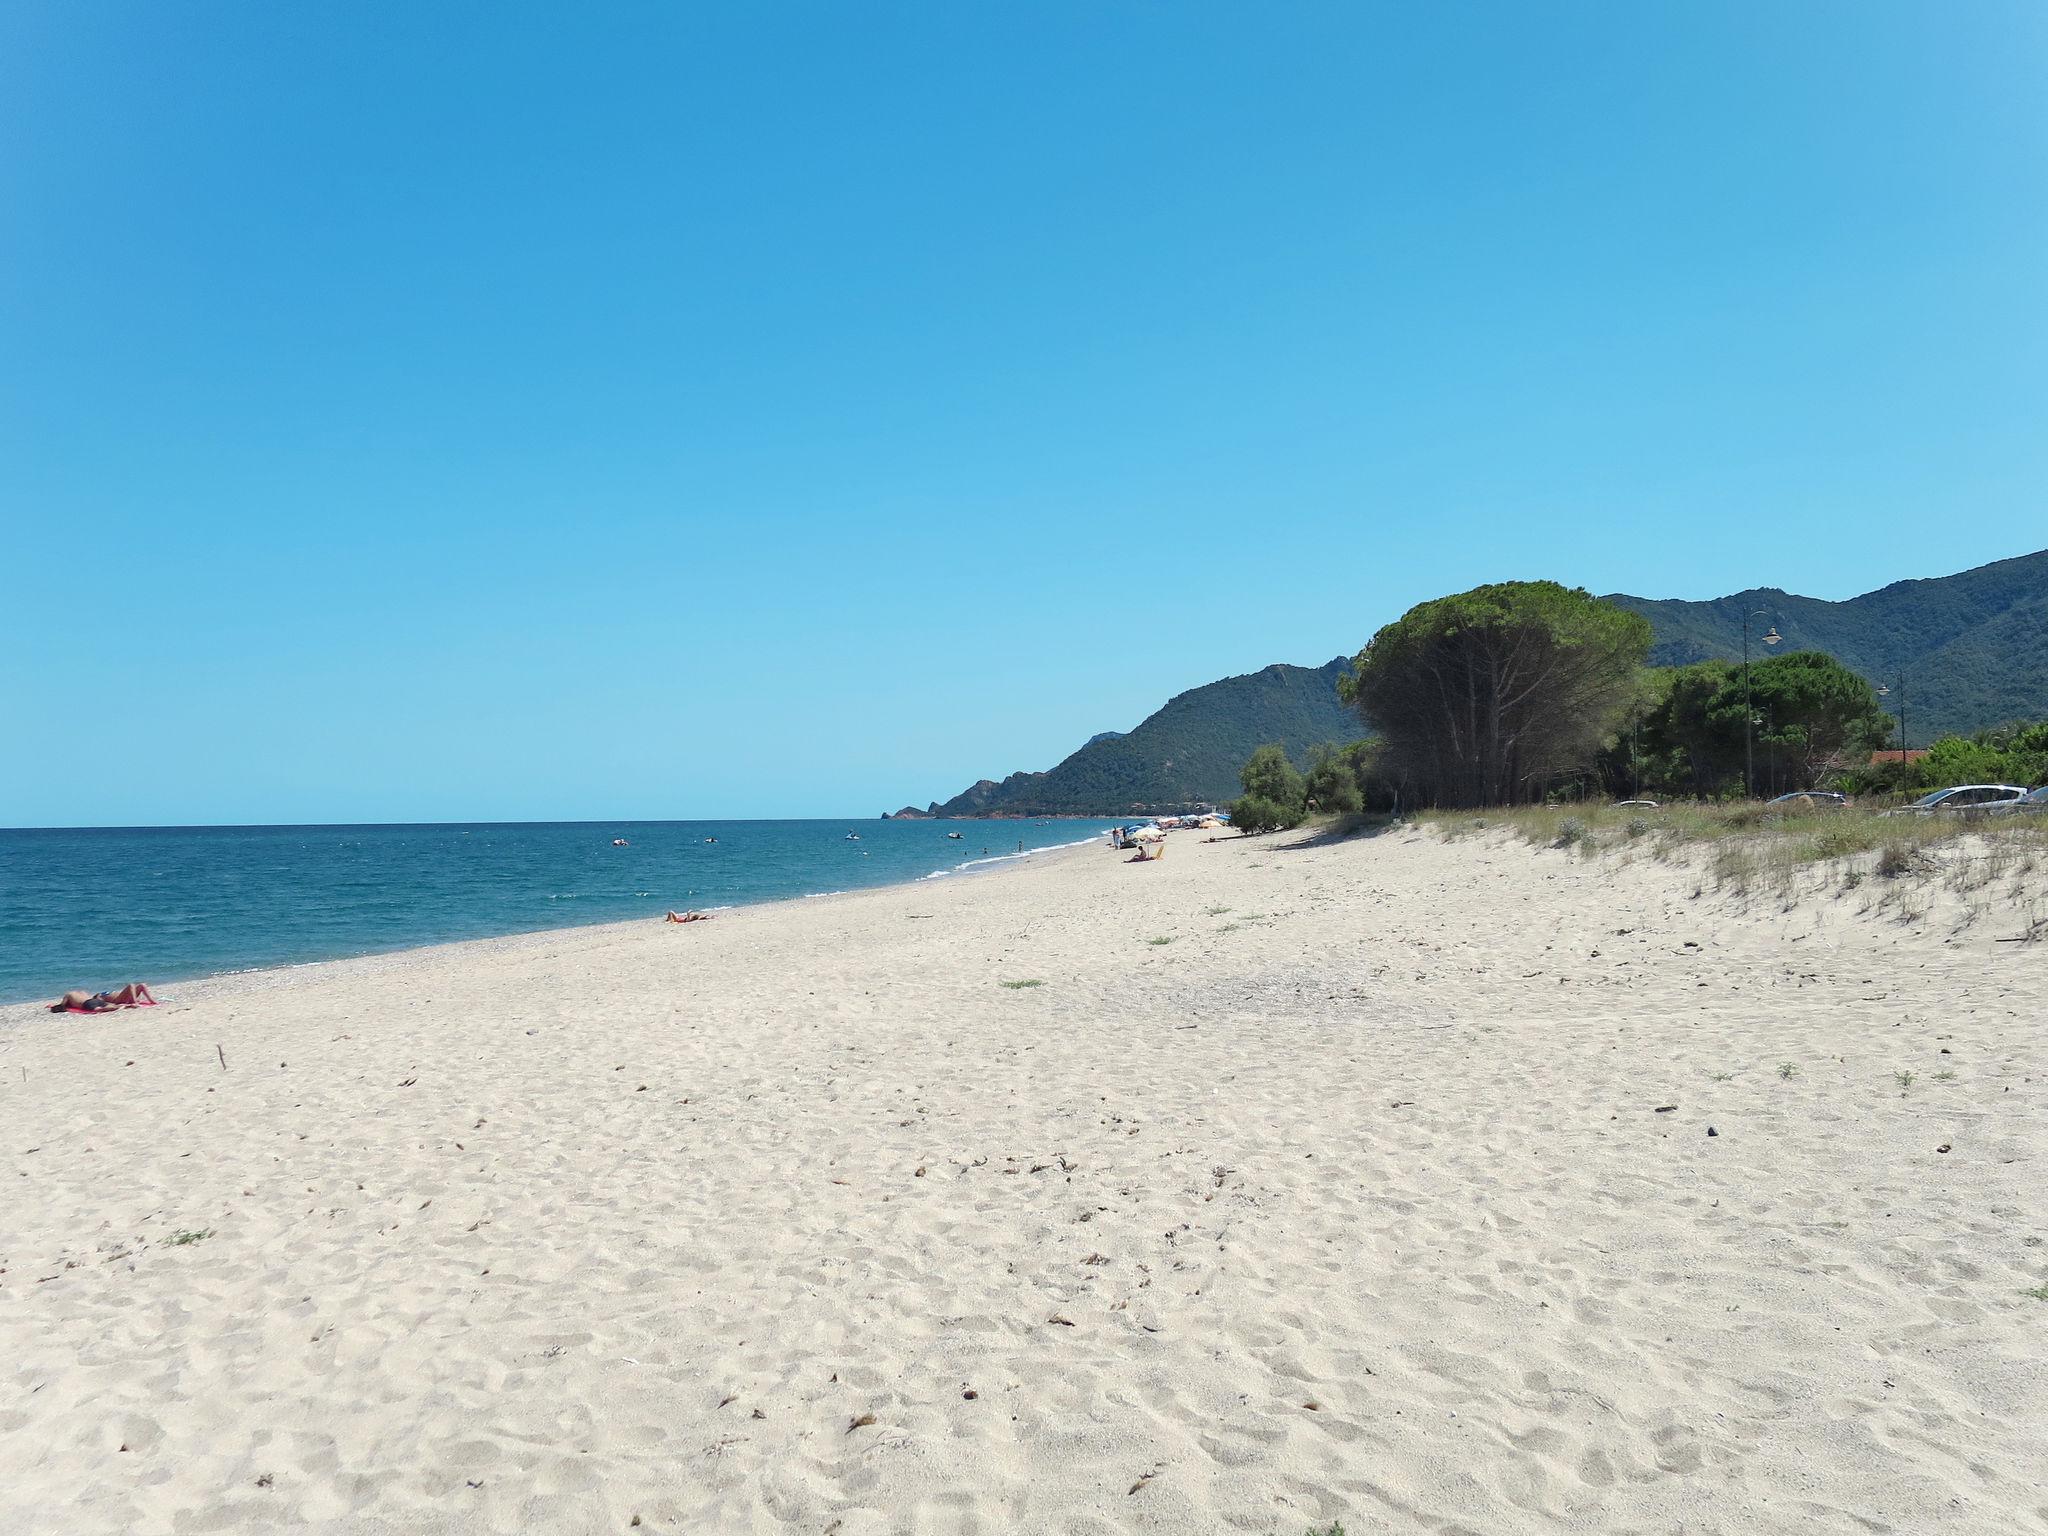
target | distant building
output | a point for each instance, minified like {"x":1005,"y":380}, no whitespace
{"x":1894,"y":755}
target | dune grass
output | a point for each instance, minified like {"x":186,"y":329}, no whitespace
{"x":1897,"y":863}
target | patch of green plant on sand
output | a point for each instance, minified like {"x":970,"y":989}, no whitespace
{"x":1161,"y":940}
{"x":1748,"y":850}
{"x":181,"y":1239}
{"x":1029,"y":981}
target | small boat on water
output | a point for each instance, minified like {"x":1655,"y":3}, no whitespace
{"x":620,"y":842}
{"x":955,"y":836}
{"x":853,"y":837}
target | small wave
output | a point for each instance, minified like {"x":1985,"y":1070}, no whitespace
{"x":1008,"y":858}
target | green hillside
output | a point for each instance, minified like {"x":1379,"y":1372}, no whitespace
{"x":1973,"y":648}
{"x":1185,"y":755}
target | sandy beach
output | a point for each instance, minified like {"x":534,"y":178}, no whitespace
{"x":1459,"y":1187}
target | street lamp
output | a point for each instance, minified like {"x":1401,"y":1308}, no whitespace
{"x":1769,"y":637}
{"x":1635,"y":763}
{"x":1884,"y":692}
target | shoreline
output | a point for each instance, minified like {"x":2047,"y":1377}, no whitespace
{"x":985,"y":864}
{"x":262,"y":977}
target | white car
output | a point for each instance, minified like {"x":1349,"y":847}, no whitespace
{"x":1964,"y":798}
{"x":2034,"y":800}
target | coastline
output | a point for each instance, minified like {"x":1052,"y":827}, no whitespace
{"x":1381,"y":1191}
{"x":174,"y":932}
{"x":264,"y":977}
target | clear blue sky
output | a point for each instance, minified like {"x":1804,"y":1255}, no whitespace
{"x":424,"y":411}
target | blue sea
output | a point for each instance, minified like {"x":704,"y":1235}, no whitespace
{"x":96,"y":907}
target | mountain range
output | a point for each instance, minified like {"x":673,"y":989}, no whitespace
{"x":1965,"y":651}
{"x":1971,"y":650}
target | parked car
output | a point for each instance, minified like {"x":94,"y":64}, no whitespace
{"x":1809,"y":800}
{"x":1959,"y":799}
{"x":2034,"y":800}
{"x":1640,"y":805}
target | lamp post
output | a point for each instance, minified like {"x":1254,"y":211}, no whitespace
{"x":1883,"y":692}
{"x":1769,"y":637}
{"x":1635,"y":763}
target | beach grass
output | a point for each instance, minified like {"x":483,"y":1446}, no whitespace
{"x":1746,"y":849}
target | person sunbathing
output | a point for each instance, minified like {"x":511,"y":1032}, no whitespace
{"x":687,"y":917}
{"x":134,"y":995}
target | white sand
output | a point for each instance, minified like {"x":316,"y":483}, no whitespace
{"x":1358,"y":1209}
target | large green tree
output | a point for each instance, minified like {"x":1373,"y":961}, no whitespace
{"x":1810,"y":715}
{"x":1692,"y":732}
{"x":1489,"y":696}
{"x":1275,"y":793}
{"x":1337,"y":777}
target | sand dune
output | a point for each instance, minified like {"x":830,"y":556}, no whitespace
{"x":1386,"y":1196}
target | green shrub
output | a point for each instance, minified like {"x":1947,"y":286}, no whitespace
{"x":1275,"y":793}
{"x":1346,"y":780}
{"x":1255,"y":813}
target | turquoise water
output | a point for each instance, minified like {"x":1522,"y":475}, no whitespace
{"x":96,"y":907}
